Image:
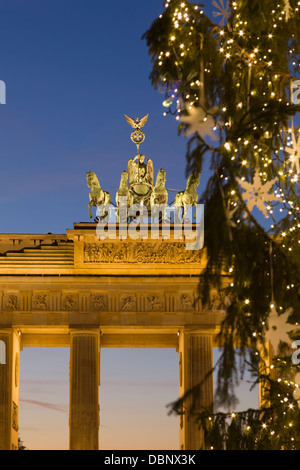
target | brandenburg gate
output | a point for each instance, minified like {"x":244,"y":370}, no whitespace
{"x":85,"y":291}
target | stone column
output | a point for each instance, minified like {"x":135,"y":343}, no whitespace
{"x":195,"y":362}
{"x":9,"y":388}
{"x":84,"y":389}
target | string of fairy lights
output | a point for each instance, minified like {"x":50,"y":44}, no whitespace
{"x":185,"y":16}
{"x":264,"y":77}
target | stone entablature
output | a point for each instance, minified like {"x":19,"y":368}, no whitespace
{"x":79,"y":279}
{"x":113,"y":297}
{"x":104,"y":300}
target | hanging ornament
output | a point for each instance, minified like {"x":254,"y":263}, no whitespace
{"x":294,"y":151}
{"x":199,"y":121}
{"x":278,"y":328}
{"x":229,"y":213}
{"x":287,"y":9}
{"x":223,"y":11}
{"x":168,"y":102}
{"x":257,"y":193}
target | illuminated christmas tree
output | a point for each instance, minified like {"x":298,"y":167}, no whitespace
{"x":233,"y":88}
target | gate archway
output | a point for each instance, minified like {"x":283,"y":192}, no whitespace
{"x":83,"y":293}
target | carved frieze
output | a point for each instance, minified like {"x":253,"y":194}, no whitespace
{"x":128,"y":303}
{"x":99,"y":302}
{"x":70,"y":302}
{"x":155,"y":303}
{"x":11,"y":302}
{"x":40,"y":302}
{"x":218,"y":301}
{"x":139,"y":253}
{"x":186,"y":302}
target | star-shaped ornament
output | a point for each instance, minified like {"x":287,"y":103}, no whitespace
{"x":257,"y":193}
{"x":223,"y":10}
{"x":278,"y":328}
{"x":200,"y":121}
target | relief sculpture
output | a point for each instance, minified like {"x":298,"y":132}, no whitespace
{"x":11,"y":303}
{"x":70,"y":303}
{"x":99,"y":303}
{"x":128,"y":303}
{"x":40,"y":302}
{"x":155,"y":303}
{"x":186,"y":302}
{"x":139,"y":253}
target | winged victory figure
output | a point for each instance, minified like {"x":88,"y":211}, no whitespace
{"x":138,"y":123}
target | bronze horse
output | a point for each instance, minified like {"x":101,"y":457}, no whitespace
{"x":188,"y":197}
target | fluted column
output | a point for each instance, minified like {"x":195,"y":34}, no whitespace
{"x":195,"y":363}
{"x":84,"y":389}
{"x":9,"y":388}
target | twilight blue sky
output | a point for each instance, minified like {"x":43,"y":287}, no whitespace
{"x":72,"y":69}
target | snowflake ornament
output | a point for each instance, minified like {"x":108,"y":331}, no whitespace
{"x":257,"y":193}
{"x":278,"y":328}
{"x":223,"y":11}
{"x":294,"y":152}
{"x":199,"y":121}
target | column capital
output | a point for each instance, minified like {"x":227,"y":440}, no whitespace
{"x":84,"y":331}
{"x":8,"y":329}
{"x":188,"y":331}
